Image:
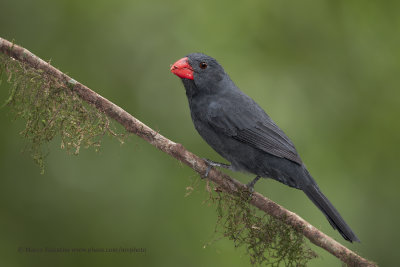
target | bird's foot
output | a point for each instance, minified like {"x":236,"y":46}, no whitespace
{"x":250,"y":186}
{"x":211,"y":164}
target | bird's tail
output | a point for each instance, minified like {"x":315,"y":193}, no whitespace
{"x":333,"y":216}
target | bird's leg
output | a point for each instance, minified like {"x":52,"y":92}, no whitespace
{"x":250,"y":185}
{"x":211,"y":164}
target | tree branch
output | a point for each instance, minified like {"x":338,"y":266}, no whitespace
{"x":177,"y":151}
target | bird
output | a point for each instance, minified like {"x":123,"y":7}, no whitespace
{"x":238,"y":129}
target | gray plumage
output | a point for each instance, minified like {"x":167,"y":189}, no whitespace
{"x":237,"y":128}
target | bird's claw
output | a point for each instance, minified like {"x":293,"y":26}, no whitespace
{"x":250,"y":185}
{"x":209,"y":166}
{"x":207,"y":171}
{"x":250,"y":189}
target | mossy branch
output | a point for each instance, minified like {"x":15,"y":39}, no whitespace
{"x":66,"y":92}
{"x":51,"y":109}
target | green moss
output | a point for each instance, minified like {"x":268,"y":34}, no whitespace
{"x":51,"y":108}
{"x":267,"y":240}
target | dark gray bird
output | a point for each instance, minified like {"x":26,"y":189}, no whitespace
{"x":241,"y":132}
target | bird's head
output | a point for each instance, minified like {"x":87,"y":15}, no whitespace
{"x":200,"y":70}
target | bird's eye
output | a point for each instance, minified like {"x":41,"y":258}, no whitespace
{"x":203,"y":65}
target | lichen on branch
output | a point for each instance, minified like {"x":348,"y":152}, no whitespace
{"x":267,"y":240}
{"x":50,"y":108}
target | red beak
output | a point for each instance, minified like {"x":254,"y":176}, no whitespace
{"x":182,"y":69}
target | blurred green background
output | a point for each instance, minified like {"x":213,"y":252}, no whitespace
{"x":326,"y":71}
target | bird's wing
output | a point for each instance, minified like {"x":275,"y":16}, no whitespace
{"x":249,"y":124}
